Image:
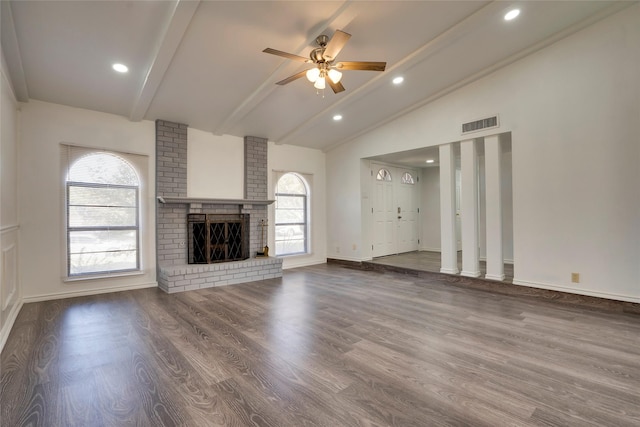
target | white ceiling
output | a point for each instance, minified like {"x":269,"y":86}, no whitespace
{"x":201,"y":62}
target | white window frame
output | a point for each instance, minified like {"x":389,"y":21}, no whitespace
{"x":407,"y":178}
{"x":70,"y":154}
{"x":306,"y":181}
{"x":384,"y":175}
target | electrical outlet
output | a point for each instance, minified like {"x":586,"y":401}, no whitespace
{"x":575,"y":277}
{"x":354,"y":247}
{"x":337,"y":249}
{"x":182,"y":244}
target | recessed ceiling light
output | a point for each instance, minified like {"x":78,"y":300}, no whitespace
{"x":430,"y":161}
{"x":121,"y":68}
{"x":398,"y":80}
{"x":337,"y":117}
{"x":512,"y":14}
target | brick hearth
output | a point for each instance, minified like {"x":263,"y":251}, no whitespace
{"x":173,"y":271}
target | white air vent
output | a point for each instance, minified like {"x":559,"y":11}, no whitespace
{"x":489,"y":122}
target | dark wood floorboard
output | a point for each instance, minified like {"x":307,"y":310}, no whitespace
{"x":325,"y":345}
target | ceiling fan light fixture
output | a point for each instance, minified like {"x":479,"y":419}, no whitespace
{"x":335,"y":75}
{"x":323,"y":57}
{"x":313,"y":74}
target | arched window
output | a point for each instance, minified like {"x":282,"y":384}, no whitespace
{"x":102,"y":201}
{"x":407,"y":178}
{"x":383,"y":175}
{"x":291,"y":216}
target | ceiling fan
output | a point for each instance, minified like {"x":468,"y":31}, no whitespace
{"x":325,"y":70}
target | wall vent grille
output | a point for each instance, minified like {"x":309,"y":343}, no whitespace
{"x":489,"y":122}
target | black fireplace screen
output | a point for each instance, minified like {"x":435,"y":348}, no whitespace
{"x":217,"y":238}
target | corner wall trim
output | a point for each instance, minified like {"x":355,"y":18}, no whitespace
{"x":9,"y":228}
{"x":6,"y":329}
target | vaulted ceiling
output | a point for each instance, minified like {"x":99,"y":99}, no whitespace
{"x":201,"y":62}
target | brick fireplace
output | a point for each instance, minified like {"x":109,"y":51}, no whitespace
{"x":173,"y":209}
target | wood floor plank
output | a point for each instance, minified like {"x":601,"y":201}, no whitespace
{"x":325,"y":345}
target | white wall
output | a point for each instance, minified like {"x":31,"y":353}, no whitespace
{"x":43,"y":127}
{"x":572,"y":110}
{"x":215,"y":165}
{"x":430,"y":209}
{"x":311,"y":162}
{"x":10,"y":288}
{"x":225,"y":181}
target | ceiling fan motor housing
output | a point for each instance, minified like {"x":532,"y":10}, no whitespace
{"x":316,"y":55}
{"x":322,"y":40}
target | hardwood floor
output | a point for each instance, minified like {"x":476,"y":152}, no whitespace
{"x":324,"y":345}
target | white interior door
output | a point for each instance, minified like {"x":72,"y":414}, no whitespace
{"x":407,"y":210}
{"x":395,"y":210}
{"x":384,"y":214}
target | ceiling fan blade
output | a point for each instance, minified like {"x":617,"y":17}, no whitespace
{"x":335,"y":45}
{"x":361,"y":65}
{"x":286,"y":55}
{"x":337,"y":87}
{"x":292,"y":78}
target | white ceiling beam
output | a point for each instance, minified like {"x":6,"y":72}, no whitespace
{"x":175,"y":28}
{"x":11,"y":52}
{"x":340,"y":18}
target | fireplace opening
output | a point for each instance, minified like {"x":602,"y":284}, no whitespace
{"x":217,"y":238}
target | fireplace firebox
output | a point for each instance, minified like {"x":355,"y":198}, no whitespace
{"x":216,"y":238}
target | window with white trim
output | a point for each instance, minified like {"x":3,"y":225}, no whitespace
{"x":291,"y":215}
{"x":383,"y":175}
{"x":103,"y":211}
{"x":407,"y":178}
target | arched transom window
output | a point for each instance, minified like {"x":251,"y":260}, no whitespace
{"x":383,"y":175}
{"x":407,"y":178}
{"x":102,"y":200}
{"x":291,"y":227}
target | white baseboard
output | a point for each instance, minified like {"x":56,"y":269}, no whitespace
{"x":427,"y":249}
{"x":347,"y":258}
{"x":569,"y":290}
{"x":470,"y":273}
{"x":506,"y":261}
{"x":306,"y":263}
{"x":72,"y":294}
{"x":449,"y":271}
{"x":6,"y":328}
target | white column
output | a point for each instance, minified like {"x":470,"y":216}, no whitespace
{"x":448,"y":249}
{"x":493,"y":193}
{"x":469,"y":208}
